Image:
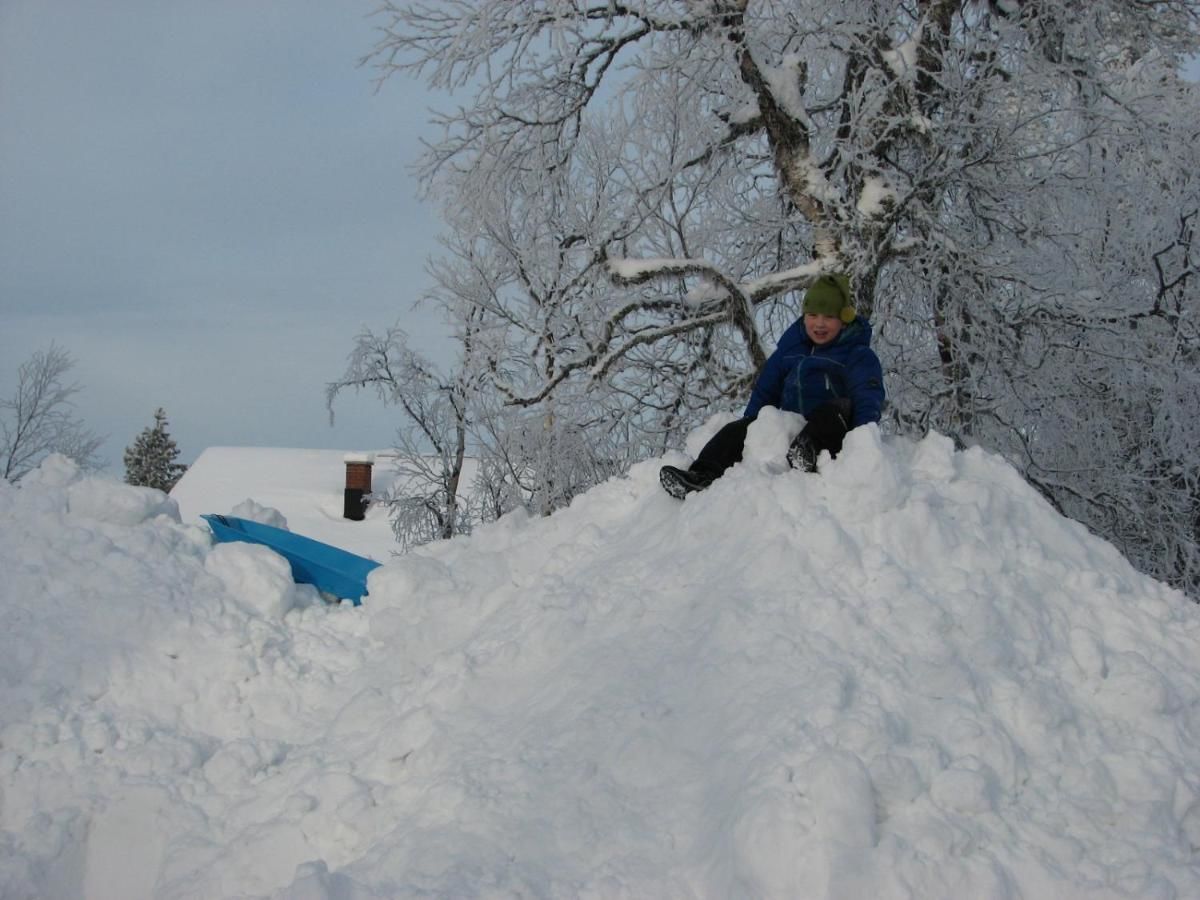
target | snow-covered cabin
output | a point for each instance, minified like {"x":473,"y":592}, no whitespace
{"x":306,"y":487}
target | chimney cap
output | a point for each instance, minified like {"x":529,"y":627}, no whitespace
{"x":367,"y":458}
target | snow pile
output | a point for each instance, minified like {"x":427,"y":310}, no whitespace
{"x":903,"y":676}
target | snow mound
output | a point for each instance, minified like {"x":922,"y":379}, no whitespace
{"x":256,"y":512}
{"x":257,"y":575}
{"x":905,"y":675}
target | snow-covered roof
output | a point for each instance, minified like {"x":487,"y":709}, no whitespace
{"x":306,"y":486}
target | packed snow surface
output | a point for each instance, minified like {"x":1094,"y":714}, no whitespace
{"x":904,"y":676}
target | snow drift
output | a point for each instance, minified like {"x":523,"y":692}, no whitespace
{"x":905,"y":676}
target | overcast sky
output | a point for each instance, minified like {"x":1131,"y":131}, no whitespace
{"x":203,"y":203}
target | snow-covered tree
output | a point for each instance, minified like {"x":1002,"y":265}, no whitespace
{"x":150,"y":459}
{"x":38,"y":418}
{"x":1009,"y":184}
{"x":431,"y":440}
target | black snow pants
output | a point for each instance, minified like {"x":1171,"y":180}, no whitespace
{"x":825,"y":429}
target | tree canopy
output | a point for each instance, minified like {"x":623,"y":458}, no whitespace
{"x":635,"y":192}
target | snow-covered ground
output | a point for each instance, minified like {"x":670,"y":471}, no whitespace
{"x":903,"y":677}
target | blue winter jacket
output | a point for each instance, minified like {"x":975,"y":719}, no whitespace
{"x":800,"y":376}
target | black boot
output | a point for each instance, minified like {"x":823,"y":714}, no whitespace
{"x":681,"y":482}
{"x":723,"y":450}
{"x":803,"y":454}
{"x":825,"y":429}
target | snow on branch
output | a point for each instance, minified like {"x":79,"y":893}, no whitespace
{"x":727,"y":302}
{"x":739,"y":299}
{"x":903,"y":58}
{"x":788,"y":280}
{"x":640,"y":271}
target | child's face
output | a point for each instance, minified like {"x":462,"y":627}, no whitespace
{"x":822,"y":329}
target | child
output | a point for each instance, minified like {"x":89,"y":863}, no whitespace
{"x":824,"y":369}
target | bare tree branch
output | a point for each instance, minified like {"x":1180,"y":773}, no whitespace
{"x":38,"y":419}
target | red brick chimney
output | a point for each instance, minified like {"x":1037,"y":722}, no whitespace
{"x":358,"y":485}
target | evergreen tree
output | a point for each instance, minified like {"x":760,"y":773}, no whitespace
{"x":150,"y":460}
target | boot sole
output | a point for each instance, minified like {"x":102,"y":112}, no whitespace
{"x":674,"y":483}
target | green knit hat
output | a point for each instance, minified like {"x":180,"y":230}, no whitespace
{"x":829,"y":295}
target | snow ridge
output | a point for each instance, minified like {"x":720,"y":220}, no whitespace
{"x":903,"y":676}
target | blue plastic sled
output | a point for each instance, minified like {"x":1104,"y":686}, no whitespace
{"x":326,"y":567}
